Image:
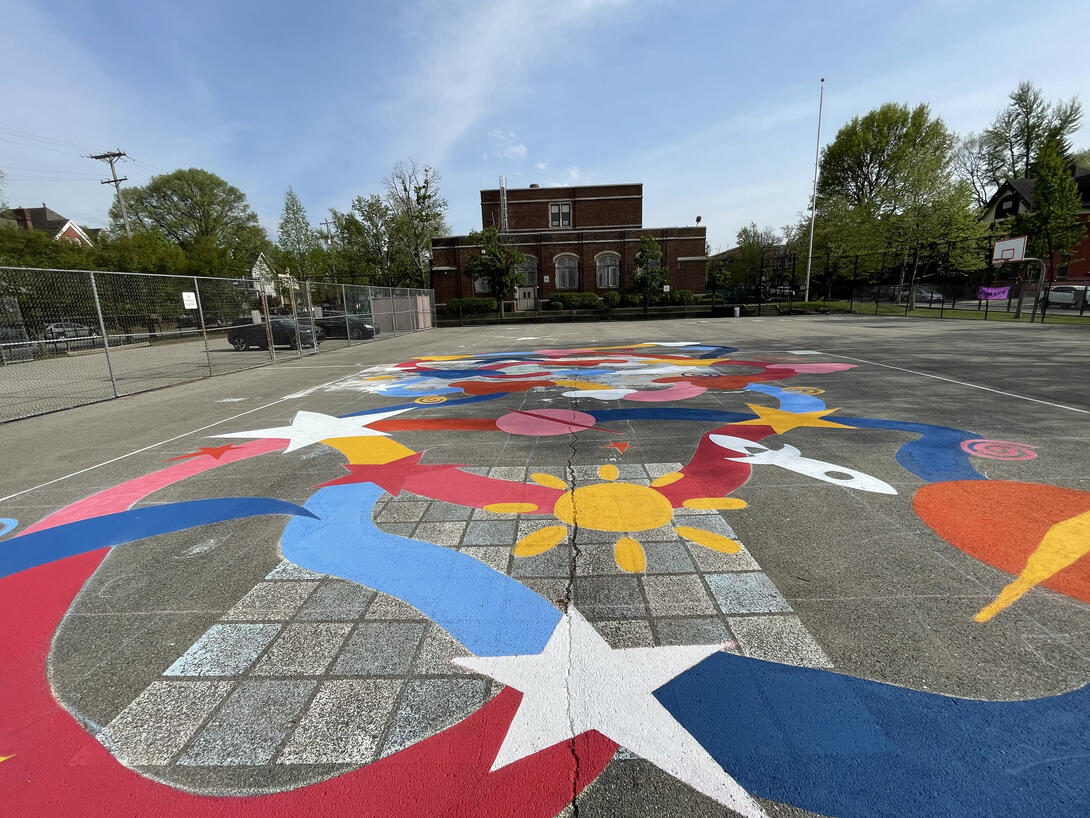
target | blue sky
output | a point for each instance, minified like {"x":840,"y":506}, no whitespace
{"x":712,"y":105}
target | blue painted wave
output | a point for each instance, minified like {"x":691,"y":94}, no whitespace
{"x":844,"y":746}
{"x":488,"y":612}
{"x":40,"y":547}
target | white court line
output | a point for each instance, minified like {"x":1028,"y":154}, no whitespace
{"x":963,"y":383}
{"x":168,"y":440}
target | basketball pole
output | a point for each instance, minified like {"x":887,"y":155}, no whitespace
{"x":1038,"y":294}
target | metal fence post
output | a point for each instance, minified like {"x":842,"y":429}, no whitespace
{"x":105,"y":338}
{"x":200,"y":316}
{"x":310,"y":315}
{"x":268,"y":326}
{"x":347,"y":325}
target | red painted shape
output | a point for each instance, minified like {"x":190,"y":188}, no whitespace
{"x":724,"y":381}
{"x":491,"y":386}
{"x":123,"y":496}
{"x":466,"y":489}
{"x":392,"y":476}
{"x":435,"y":425}
{"x":709,"y":473}
{"x":215,"y":452}
{"x":619,"y":445}
{"x":1002,"y":522}
{"x":58,"y":768}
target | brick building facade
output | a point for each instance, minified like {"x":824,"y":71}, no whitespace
{"x":575,"y":239}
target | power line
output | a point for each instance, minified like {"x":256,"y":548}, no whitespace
{"x":48,"y":139}
{"x":112,"y":157}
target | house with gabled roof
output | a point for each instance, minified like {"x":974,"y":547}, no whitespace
{"x":44,"y":220}
{"x":1015,"y":197}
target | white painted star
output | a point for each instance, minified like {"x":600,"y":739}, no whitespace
{"x":308,"y":428}
{"x":579,"y":683}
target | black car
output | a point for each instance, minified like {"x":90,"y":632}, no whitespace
{"x":335,"y":325}
{"x":65,"y":335}
{"x":244,"y":334}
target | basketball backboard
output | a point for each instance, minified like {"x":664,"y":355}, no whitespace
{"x":1009,"y":250}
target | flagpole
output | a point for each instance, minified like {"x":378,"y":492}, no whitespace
{"x":813,"y":199}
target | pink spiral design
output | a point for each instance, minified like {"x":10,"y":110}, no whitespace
{"x":999,"y":449}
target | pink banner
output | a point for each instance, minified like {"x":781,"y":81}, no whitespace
{"x":994,"y":293}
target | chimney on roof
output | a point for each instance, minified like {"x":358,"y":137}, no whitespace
{"x":534,"y":184}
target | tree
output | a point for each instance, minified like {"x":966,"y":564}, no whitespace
{"x":497,"y":263}
{"x":298,"y":242}
{"x":3,"y":201}
{"x":418,"y":214}
{"x":754,"y":245}
{"x":1022,"y":129}
{"x":1081,"y":158}
{"x":648,"y":277}
{"x":1053,"y":226}
{"x":201,"y":213}
{"x":1009,"y":147}
{"x":368,"y":246}
{"x":887,"y":182}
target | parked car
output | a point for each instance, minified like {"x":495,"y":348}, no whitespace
{"x":65,"y":335}
{"x":334,"y":325}
{"x":244,"y":334}
{"x":924,"y":296}
{"x":1067,"y":296}
{"x":15,"y":345}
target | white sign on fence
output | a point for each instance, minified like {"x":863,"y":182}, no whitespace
{"x":189,"y":300}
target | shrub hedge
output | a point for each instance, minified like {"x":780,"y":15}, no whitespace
{"x":470,"y":306}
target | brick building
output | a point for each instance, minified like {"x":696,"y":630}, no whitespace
{"x":575,"y":239}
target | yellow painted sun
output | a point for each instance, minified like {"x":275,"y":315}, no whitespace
{"x":622,"y":508}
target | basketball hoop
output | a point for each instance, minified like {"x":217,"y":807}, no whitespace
{"x":1009,"y":251}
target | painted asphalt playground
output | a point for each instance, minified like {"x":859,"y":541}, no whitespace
{"x":783,"y":566}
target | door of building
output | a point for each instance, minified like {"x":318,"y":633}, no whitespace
{"x":524,"y":298}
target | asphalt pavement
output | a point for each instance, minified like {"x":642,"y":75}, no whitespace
{"x":786,"y":566}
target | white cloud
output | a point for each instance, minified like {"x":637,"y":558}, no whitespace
{"x":542,"y":165}
{"x":505,"y":145}
{"x":479,"y":55}
{"x":573,"y":172}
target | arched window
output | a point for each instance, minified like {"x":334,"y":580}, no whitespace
{"x":609,"y":270}
{"x":482,"y":285}
{"x":567,"y":272}
{"x":528,"y":268}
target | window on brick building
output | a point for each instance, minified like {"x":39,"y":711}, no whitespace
{"x":609,"y":270}
{"x":567,"y":273}
{"x":482,"y":285}
{"x":560,"y":214}
{"x":528,"y":268}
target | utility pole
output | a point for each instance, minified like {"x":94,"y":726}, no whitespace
{"x":112,"y":157}
{"x":813,"y":199}
{"x":328,"y":225}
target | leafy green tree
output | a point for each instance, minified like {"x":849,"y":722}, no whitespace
{"x":367,"y":240}
{"x":1009,"y":147}
{"x":1081,"y":158}
{"x":1053,"y":226}
{"x":417,"y":215}
{"x":497,"y":263}
{"x":887,"y":181}
{"x":1025,"y":126}
{"x":200,"y":212}
{"x":754,"y":245}
{"x":649,"y":277}
{"x":297,"y":242}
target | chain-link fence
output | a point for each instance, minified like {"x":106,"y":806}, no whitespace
{"x":939,"y":280}
{"x":69,"y":337}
